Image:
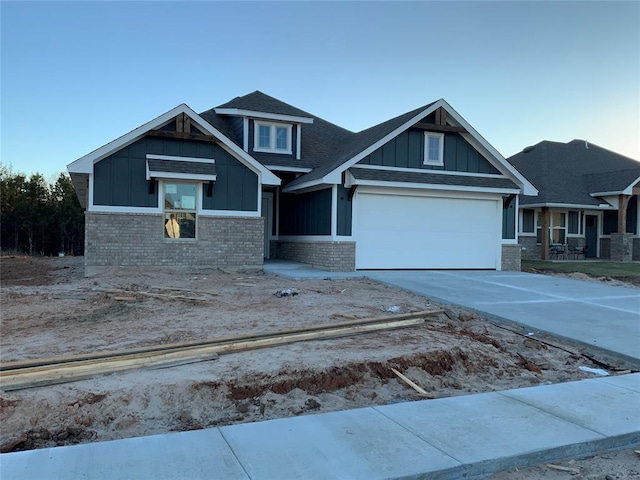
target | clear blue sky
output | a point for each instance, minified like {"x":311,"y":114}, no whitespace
{"x":76,"y":75}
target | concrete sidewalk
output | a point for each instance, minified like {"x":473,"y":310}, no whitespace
{"x":468,"y":436}
{"x":590,"y":313}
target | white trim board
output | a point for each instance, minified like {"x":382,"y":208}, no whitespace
{"x":262,"y":115}
{"x":425,"y":170}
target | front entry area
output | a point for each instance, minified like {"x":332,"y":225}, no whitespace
{"x":267,"y":215}
{"x":400,"y":231}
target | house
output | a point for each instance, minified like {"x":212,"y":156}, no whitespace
{"x":588,"y":196}
{"x":258,"y":178}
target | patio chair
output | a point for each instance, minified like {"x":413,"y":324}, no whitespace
{"x":556,"y":249}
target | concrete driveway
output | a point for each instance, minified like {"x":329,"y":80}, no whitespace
{"x":590,"y":313}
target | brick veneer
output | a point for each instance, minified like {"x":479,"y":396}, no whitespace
{"x":511,"y":257}
{"x":333,"y":256}
{"x":125,"y":239}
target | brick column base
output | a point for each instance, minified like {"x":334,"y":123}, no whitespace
{"x":621,"y":247}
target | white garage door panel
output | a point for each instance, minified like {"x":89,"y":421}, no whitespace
{"x":426,"y":232}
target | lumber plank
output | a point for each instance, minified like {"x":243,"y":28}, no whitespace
{"x":22,"y":364}
{"x":177,"y":289}
{"x":153,"y":295}
{"x":61,"y":373}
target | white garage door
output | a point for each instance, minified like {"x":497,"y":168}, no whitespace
{"x":395,"y":231}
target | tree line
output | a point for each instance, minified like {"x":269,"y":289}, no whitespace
{"x":39,"y":218}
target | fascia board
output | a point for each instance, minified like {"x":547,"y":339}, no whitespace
{"x":284,"y":168}
{"x":85,"y":164}
{"x":602,"y":206}
{"x":527,"y":187}
{"x":263,"y":115}
{"x":424,"y":186}
{"x":335,"y":176}
{"x":303,"y":186}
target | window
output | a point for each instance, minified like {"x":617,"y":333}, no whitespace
{"x":433,"y":148}
{"x":180,"y":210}
{"x":557,"y":227}
{"x":528,"y":220}
{"x":574,"y":222}
{"x":272,"y":137}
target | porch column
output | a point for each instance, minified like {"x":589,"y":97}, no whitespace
{"x":621,"y":241}
{"x":544,"y":233}
{"x":623,"y":202}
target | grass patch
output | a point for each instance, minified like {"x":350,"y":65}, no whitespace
{"x":595,"y":269}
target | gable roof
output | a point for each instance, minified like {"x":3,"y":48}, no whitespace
{"x":575,"y":173}
{"x":84,"y":165}
{"x":363,"y":143}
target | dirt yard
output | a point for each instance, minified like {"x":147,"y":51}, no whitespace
{"x":49,"y":309}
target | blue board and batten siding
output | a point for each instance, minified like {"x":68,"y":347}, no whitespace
{"x":310,"y":213}
{"x":344,"y":212}
{"x":407,"y":151}
{"x":120,"y":179}
{"x":306,"y":213}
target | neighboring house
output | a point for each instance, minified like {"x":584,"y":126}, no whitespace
{"x":587,"y":196}
{"x":257,"y":178}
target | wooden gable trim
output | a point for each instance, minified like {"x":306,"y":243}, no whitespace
{"x":182,"y":136}
{"x":435,"y":127}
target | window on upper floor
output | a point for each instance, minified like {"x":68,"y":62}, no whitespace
{"x":433,"y":148}
{"x":272,"y":137}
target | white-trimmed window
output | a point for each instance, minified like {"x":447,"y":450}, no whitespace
{"x":272,"y":137}
{"x":434,"y":149}
{"x":557,"y":227}
{"x":180,"y":210}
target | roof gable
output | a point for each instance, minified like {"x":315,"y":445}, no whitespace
{"x":367,"y":141}
{"x":84,"y":165}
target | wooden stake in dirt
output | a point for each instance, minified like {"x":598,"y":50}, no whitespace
{"x":573,"y":471}
{"x":413,"y":385}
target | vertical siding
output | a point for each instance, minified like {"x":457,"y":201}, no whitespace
{"x":344,"y":212}
{"x":120,"y":179}
{"x":509,"y":221}
{"x":407,"y":151}
{"x":306,"y":214}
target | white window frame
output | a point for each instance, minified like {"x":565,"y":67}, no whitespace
{"x":196,"y":210}
{"x":440,"y":138}
{"x":272,"y":137}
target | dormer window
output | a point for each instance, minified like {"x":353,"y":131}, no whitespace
{"x":434,"y":149}
{"x":272,"y":137}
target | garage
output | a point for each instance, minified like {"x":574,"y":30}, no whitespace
{"x":420,"y":231}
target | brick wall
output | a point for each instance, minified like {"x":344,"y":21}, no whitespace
{"x":511,"y":257}
{"x":636,"y":249}
{"x":138,"y":240}
{"x":333,"y":256}
{"x":531,"y":248}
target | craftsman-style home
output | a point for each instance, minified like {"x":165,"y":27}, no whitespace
{"x":587,"y":204}
{"x":257,"y":178}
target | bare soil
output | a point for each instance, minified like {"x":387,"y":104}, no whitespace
{"x":50,"y":309}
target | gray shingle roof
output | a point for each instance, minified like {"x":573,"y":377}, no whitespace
{"x":179,"y":166}
{"x":567,"y":173}
{"x":259,"y":102}
{"x":432,"y":178}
